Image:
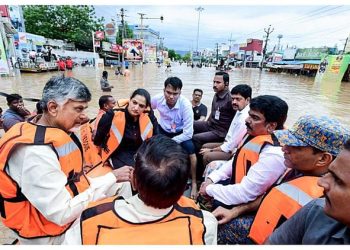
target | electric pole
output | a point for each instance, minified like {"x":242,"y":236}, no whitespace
{"x":346,"y":42}
{"x":217,"y":53}
{"x":141,"y":37}
{"x":268,"y":32}
{"x":123,"y":35}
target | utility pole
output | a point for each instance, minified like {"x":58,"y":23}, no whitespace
{"x":230,"y":40}
{"x":199,"y":9}
{"x":123,"y":35}
{"x":217,"y":53}
{"x":268,"y":32}
{"x":346,"y":43}
{"x":141,"y":37}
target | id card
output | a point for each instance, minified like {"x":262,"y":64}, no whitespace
{"x":173,"y":128}
{"x":217,"y":115}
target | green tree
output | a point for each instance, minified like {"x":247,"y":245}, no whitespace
{"x":128,"y":33}
{"x":173,"y":55}
{"x":75,"y":23}
{"x":187,"y":57}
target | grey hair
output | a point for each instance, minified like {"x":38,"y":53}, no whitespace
{"x":61,"y":89}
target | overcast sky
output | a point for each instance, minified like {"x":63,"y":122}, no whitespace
{"x":300,"y":25}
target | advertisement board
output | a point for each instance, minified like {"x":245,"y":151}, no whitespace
{"x":16,"y":17}
{"x":332,"y":68}
{"x":4,"y":68}
{"x":151,"y":53}
{"x":311,"y":53}
{"x":133,"y":49}
{"x":106,"y":46}
{"x":289,"y":54}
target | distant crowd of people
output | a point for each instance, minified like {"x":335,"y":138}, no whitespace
{"x":233,"y":175}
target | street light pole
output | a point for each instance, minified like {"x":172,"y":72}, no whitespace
{"x":199,"y":9}
{"x":141,"y":37}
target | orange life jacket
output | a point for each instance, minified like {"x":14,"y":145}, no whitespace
{"x":91,"y":152}
{"x":101,"y":225}
{"x":17,"y":212}
{"x":281,"y":203}
{"x":248,"y":154}
{"x":116,"y":131}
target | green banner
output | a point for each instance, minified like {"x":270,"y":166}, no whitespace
{"x":4,"y":68}
{"x":332,"y":68}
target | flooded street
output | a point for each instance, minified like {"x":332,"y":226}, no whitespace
{"x":301,"y":93}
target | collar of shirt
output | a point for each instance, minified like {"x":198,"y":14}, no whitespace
{"x":142,"y":208}
{"x":223,"y":94}
{"x":177,"y":104}
{"x":342,"y":234}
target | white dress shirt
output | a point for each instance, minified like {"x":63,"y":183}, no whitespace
{"x":259,"y":178}
{"x":173,"y":120}
{"x":134,"y":210}
{"x":236,"y":131}
{"x":37,"y":171}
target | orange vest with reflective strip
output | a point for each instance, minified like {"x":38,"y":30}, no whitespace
{"x":101,"y":225}
{"x":281,"y":203}
{"x":116,"y":131}
{"x":248,"y":154}
{"x":17,"y":212}
{"x":91,"y":152}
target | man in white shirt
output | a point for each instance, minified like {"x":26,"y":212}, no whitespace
{"x":176,"y":121}
{"x":258,"y":162}
{"x":241,"y":95}
{"x":158,"y":214}
{"x":43,"y":188}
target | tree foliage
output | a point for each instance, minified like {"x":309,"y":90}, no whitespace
{"x":75,"y":23}
{"x":173,"y":55}
{"x":187,"y":57}
{"x":128,"y":33}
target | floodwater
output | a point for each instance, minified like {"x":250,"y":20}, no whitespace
{"x":300,"y":92}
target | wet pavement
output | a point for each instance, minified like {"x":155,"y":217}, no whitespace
{"x":300,"y":92}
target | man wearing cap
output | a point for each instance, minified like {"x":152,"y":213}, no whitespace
{"x":309,"y":148}
{"x":323,"y":221}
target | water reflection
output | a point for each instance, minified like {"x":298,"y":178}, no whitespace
{"x":301,"y":93}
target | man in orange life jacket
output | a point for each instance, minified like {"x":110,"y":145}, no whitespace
{"x":43,"y":188}
{"x":158,"y":214}
{"x":323,"y":221}
{"x":309,"y":148}
{"x":258,"y":162}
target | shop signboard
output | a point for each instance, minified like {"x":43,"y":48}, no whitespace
{"x":311,"y":53}
{"x":99,"y":35}
{"x":117,"y":48}
{"x":133,"y":49}
{"x":106,"y":46}
{"x":4,"y":68}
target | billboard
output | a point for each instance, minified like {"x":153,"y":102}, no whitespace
{"x":311,"y":53}
{"x":151,"y":53}
{"x":332,"y":68}
{"x":133,"y":49}
{"x":289,"y":54}
{"x":4,"y":68}
{"x":111,"y":32}
{"x":106,"y":46}
{"x":16,"y":17}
